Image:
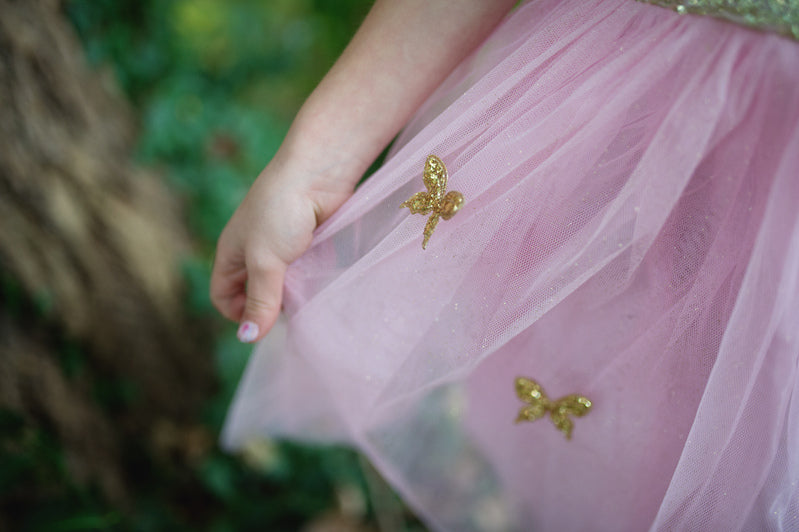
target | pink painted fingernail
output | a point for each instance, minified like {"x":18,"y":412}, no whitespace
{"x":248,"y":331}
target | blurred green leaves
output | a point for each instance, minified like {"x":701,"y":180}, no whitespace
{"x":215,"y":84}
{"x":35,"y":487}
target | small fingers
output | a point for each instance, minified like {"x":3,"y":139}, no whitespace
{"x":228,"y":286}
{"x":264,"y":295}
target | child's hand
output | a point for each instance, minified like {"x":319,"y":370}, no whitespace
{"x":272,"y":227}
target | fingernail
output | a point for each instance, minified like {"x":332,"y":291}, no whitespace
{"x":248,"y":331}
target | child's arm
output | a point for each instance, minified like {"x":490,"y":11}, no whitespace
{"x":402,"y":52}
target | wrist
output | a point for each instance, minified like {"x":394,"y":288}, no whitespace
{"x":315,"y":168}
{"x":333,"y":142}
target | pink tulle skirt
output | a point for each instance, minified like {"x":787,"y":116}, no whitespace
{"x":630,"y":233}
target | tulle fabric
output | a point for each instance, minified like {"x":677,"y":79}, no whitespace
{"x":630,"y":232}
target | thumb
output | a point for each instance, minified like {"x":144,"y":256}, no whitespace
{"x":264,"y":297}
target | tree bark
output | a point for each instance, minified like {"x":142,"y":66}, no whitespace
{"x":96,"y":245}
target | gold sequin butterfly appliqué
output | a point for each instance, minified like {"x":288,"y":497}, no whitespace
{"x":538,"y":404}
{"x":434,"y":202}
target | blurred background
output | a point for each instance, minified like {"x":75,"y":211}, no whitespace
{"x":129,"y":132}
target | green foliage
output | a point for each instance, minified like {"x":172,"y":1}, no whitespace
{"x":35,"y":489}
{"x":215,"y":84}
{"x":38,"y":494}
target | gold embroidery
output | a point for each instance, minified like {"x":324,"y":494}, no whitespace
{"x":434,"y":200}
{"x":780,"y":16}
{"x":539,"y":404}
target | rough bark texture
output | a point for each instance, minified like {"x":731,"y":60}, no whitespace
{"x":96,"y":243}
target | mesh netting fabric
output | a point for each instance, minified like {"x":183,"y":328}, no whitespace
{"x":630,"y":232}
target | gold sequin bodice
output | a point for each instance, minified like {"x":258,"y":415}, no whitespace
{"x":779,"y":16}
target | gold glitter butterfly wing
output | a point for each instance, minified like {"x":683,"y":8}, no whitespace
{"x":531,"y":393}
{"x":435,"y":177}
{"x":562,"y":410}
{"x":429,"y":227}
{"x":451,"y":204}
{"x":528,"y":390}
{"x":419,"y":203}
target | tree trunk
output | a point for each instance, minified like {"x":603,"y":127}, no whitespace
{"x":94,"y":245}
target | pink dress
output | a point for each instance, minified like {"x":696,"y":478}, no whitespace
{"x":630,"y":233}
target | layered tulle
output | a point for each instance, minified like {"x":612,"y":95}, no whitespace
{"x":630,"y":232}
